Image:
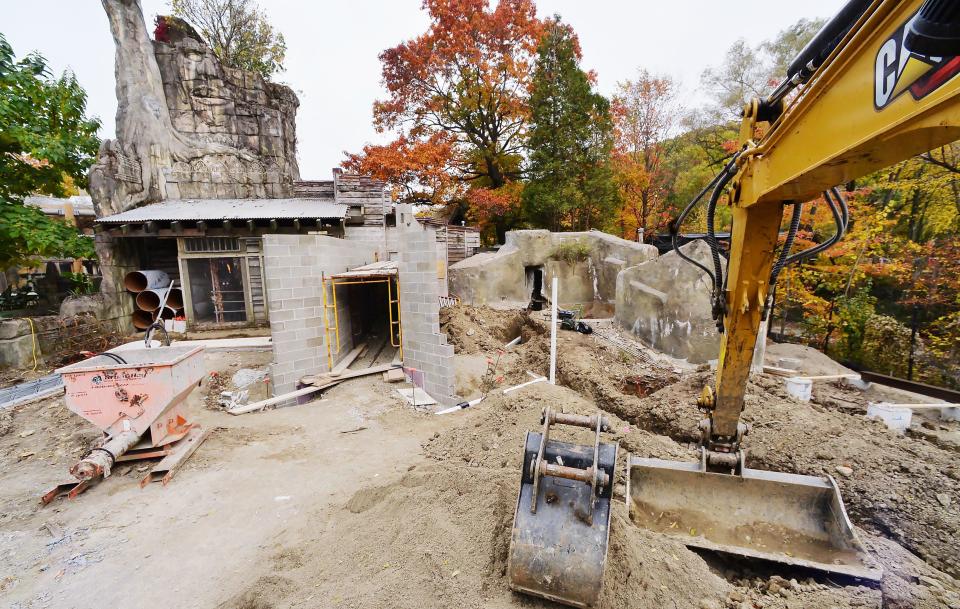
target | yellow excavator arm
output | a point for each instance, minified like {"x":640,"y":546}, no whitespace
{"x":880,"y":87}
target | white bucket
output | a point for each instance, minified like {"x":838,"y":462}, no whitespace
{"x":896,"y":418}
{"x":800,"y":388}
{"x":789,"y":363}
{"x":950,"y":414}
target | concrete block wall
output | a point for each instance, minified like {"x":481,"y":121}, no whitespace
{"x":293,"y":269}
{"x":374,"y":236}
{"x":424,"y":347}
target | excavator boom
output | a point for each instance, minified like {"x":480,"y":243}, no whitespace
{"x":876,"y":86}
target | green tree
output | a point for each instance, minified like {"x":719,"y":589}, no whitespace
{"x":237,"y":31}
{"x":46,"y":145}
{"x":748,"y":72}
{"x":571,"y":182}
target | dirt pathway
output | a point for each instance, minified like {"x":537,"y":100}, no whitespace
{"x":259,"y":479}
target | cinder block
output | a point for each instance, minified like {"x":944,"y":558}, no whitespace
{"x":279,"y":368}
{"x":279,"y":295}
{"x":280,"y":316}
{"x":305,"y":366}
{"x":292,"y":303}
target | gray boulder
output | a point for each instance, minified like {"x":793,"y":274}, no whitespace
{"x":666,"y":304}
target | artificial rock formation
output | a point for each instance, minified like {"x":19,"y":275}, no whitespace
{"x":666,"y":304}
{"x":188,"y":127}
{"x":505,"y":275}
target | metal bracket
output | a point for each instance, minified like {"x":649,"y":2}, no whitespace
{"x":593,"y":475}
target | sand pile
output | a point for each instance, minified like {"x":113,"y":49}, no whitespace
{"x":438,"y":535}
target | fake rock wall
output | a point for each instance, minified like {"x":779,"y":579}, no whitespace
{"x":666,"y":304}
{"x":489,"y":278}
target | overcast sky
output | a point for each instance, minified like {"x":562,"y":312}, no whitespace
{"x":332,"y":49}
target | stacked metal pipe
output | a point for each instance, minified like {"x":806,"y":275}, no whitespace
{"x":149,"y":286}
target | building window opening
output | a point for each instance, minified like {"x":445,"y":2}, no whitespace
{"x":217,"y":290}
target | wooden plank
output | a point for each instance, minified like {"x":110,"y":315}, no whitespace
{"x":826,"y":377}
{"x":274,"y":400}
{"x":324,"y":381}
{"x":779,"y":371}
{"x":347,"y":360}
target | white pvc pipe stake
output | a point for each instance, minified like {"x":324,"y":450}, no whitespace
{"x":553,"y":333}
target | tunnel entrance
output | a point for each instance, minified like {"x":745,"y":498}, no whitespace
{"x":534,"y":283}
{"x":365,"y":311}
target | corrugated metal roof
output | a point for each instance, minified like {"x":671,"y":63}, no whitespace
{"x":231,"y":209}
{"x":376,"y":269}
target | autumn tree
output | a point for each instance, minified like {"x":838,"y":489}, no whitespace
{"x":237,"y":31}
{"x":645,"y":112}
{"x":47,"y":143}
{"x":416,"y":171}
{"x":570,"y":180}
{"x":466,"y":78}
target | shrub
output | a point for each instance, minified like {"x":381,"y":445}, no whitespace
{"x":886,"y":346}
{"x":571,"y":251}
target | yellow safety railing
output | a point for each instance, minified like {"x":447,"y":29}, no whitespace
{"x":330,"y":304}
{"x":332,"y":347}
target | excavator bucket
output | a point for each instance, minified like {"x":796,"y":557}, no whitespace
{"x":561,"y":528}
{"x":787,"y":518}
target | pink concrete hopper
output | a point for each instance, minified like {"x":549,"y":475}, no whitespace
{"x":142,"y":395}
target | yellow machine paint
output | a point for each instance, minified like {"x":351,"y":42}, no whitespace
{"x":831,"y":134}
{"x":870,"y":103}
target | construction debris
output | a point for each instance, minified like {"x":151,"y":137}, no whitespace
{"x":316,"y":383}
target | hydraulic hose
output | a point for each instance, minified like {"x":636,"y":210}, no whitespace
{"x":113,"y":356}
{"x":678,"y":222}
{"x":711,"y":228}
{"x":838,"y":218}
{"x":788,"y":242}
{"x":782,"y":259}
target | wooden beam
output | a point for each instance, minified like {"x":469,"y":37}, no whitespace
{"x":296,"y":224}
{"x":274,"y":224}
{"x":176,"y":226}
{"x":251,"y":226}
{"x":202,"y":226}
{"x":227,"y":225}
{"x":275,"y":400}
{"x":347,"y":360}
{"x":150,"y":227}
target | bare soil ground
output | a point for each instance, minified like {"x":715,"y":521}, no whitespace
{"x":358,"y":500}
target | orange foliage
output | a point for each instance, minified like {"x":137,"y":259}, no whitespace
{"x":466,"y":77}
{"x":488,"y":207}
{"x":644,"y":114}
{"x":415,"y":171}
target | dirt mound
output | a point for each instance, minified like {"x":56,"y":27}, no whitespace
{"x":265,"y":593}
{"x":480,"y":329}
{"x":900,"y":487}
{"x":644,"y":570}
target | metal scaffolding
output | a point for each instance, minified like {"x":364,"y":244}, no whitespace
{"x":363,"y":276}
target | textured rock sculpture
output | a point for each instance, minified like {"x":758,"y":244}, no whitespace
{"x":666,"y":303}
{"x":188,"y":127}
